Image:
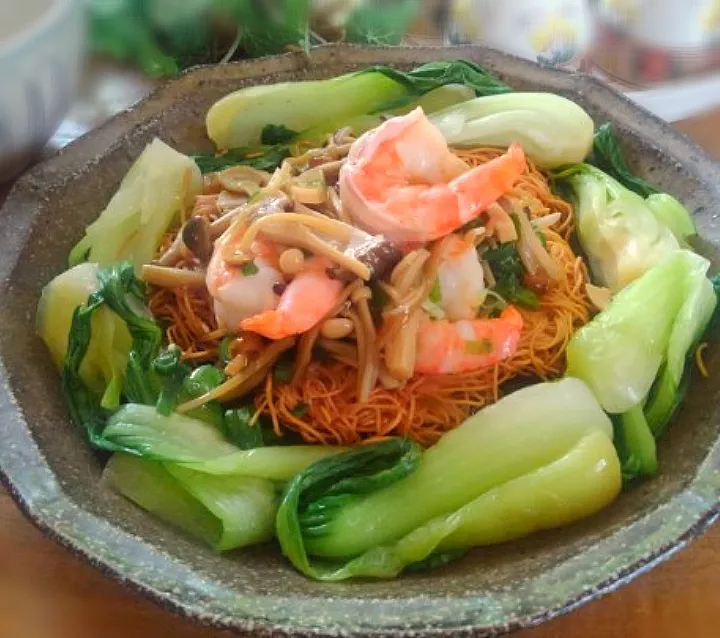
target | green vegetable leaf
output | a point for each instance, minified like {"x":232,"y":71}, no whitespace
{"x":276,"y":134}
{"x":375,"y":22}
{"x":436,"y":74}
{"x":539,"y":458}
{"x":224,"y":349}
{"x":133,"y":223}
{"x":671,"y":213}
{"x":263,"y":158}
{"x":608,"y":156}
{"x":173,"y":371}
{"x":656,"y":320}
{"x":237,"y":120}
{"x":122,"y":293}
{"x":240,"y":431}
{"x":268,"y":26}
{"x":125,"y":296}
{"x":201,"y":381}
{"x":119,"y":29}
{"x":143,"y":431}
{"x":313,"y":495}
{"x":507,"y":267}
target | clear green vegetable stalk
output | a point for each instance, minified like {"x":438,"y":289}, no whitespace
{"x":541,"y":457}
{"x":188,"y":473}
{"x":552,"y":130}
{"x":633,"y":354}
{"x":149,"y":199}
{"x":103,"y":366}
{"x":623,"y":234}
{"x":225,"y":512}
{"x":136,"y":340}
{"x":237,"y":121}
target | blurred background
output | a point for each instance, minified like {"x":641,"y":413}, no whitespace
{"x":73,"y":63}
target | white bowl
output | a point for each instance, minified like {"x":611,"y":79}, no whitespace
{"x":41,"y":48}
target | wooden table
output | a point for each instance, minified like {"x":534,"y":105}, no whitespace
{"x":47,"y":593}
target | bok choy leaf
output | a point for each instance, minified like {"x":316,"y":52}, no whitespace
{"x":144,"y":431}
{"x":102,"y":368}
{"x":608,"y":156}
{"x":202,"y":447}
{"x":575,"y":486}
{"x":119,"y":293}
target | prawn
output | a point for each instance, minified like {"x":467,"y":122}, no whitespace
{"x":461,"y":280}
{"x":401,"y":180}
{"x":303,"y":304}
{"x":238,"y":295}
{"x":444,"y":347}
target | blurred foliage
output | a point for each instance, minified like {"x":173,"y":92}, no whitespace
{"x":165,"y":36}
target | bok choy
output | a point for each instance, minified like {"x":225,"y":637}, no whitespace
{"x":186,"y":472}
{"x":158,"y":185}
{"x":623,"y":234}
{"x":237,"y":120}
{"x":225,"y":512}
{"x":552,"y":130}
{"x":201,"y":447}
{"x":102,"y":368}
{"x":541,"y":457}
{"x":633,"y":354}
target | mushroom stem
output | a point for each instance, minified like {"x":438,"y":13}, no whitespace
{"x":165,"y":277}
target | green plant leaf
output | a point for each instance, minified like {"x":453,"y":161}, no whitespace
{"x":608,"y":156}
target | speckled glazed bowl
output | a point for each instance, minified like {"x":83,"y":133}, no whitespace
{"x":55,"y":477}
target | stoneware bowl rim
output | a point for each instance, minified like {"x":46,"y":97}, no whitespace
{"x":37,"y":490}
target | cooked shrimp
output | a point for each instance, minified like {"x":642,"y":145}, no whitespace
{"x":461,"y":280}
{"x":303,"y":304}
{"x":401,"y":180}
{"x":238,"y":295}
{"x":460,"y":346}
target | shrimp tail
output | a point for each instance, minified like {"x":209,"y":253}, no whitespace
{"x":485,"y":184}
{"x":271,"y":324}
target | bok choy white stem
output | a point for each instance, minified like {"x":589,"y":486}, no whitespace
{"x":552,"y":130}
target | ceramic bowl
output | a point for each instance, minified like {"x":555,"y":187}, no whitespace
{"x":41,"y":44}
{"x":55,"y":477}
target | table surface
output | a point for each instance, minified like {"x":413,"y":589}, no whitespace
{"x":46,"y":592}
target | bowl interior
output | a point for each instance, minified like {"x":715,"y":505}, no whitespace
{"x":489,"y":589}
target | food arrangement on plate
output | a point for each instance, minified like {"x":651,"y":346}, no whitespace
{"x":396,"y":316}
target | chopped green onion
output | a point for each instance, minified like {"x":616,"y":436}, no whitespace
{"x":249,"y":269}
{"x":436,"y":293}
